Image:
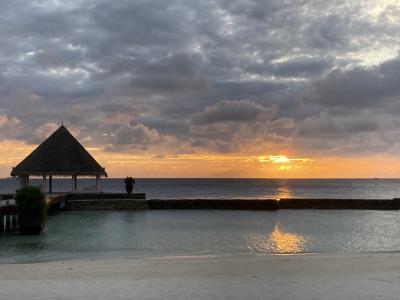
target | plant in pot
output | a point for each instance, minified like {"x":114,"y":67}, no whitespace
{"x":129,"y":184}
{"x":32,"y":210}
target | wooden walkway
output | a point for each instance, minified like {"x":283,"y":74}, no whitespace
{"x":8,"y":213}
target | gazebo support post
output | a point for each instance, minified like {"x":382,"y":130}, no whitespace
{"x":24,"y":181}
{"x":74,"y":183}
{"x":44,"y":184}
{"x":21,"y":181}
{"x":50,"y":184}
{"x":98,"y":187}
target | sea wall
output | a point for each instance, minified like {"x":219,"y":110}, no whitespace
{"x":99,"y":201}
{"x":234,"y":204}
{"x":106,"y":204}
{"x":119,"y":201}
{"x":375,"y":204}
{"x":274,"y":204}
{"x":104,"y":196}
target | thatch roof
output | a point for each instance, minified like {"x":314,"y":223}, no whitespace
{"x":61,"y":154}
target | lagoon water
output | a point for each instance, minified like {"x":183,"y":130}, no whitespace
{"x":76,"y":235}
{"x":94,"y":234}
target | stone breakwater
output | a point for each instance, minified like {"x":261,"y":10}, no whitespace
{"x":99,"y":201}
{"x":274,"y":204}
{"x":116,"y":201}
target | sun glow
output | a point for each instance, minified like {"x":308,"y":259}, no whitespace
{"x":280,"y":159}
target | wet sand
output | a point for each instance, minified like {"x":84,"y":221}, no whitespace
{"x":308,"y":276}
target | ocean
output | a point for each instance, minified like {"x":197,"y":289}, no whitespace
{"x":236,"y":188}
{"x":106,"y":234}
{"x":160,"y":233}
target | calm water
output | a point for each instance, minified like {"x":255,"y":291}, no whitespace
{"x":240,"y":188}
{"x":169,"y":233}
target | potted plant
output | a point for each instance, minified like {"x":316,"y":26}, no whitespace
{"x":129,"y":184}
{"x":32,"y":210}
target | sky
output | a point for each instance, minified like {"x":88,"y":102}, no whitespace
{"x":221,"y":88}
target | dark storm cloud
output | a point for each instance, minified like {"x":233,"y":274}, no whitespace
{"x":207,"y":75}
{"x":234,"y":111}
{"x":359,"y":87}
{"x":302,"y":67}
{"x":359,"y":109}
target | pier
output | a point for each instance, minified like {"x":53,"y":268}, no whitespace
{"x":8,"y":213}
{"x":99,"y":201}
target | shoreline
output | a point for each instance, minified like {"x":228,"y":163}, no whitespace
{"x":298,"y":276}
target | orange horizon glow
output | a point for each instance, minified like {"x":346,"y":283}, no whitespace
{"x":208,"y":165}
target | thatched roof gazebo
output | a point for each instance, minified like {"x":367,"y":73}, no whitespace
{"x":59,"y":155}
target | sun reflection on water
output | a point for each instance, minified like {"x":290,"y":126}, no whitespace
{"x":283,"y":192}
{"x":278,"y":241}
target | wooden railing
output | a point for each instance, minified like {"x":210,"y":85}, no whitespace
{"x":8,"y":214}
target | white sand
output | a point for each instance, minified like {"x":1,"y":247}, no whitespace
{"x":315,"y":276}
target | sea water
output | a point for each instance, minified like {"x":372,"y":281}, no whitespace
{"x":235,"y":188}
{"x":96,"y":234}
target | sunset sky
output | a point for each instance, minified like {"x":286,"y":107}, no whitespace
{"x":222,"y":88}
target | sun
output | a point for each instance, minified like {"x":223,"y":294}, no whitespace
{"x":279,"y":159}
{"x":284,"y":162}
{"x":275,"y":159}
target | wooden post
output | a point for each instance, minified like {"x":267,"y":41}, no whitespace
{"x":98,"y":187}
{"x":24,"y":179}
{"x":50,"y":184}
{"x":74,"y":183}
{"x":44,"y":184}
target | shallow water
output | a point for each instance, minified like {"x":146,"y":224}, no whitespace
{"x":75,"y":235}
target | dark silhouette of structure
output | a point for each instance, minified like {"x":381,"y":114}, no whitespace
{"x":59,"y":155}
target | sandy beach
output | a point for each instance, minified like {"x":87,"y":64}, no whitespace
{"x":308,"y":276}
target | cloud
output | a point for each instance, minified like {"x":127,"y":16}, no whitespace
{"x":234,"y":111}
{"x":174,"y":76}
{"x":136,"y":135}
{"x":302,"y":67}
{"x":359,"y":87}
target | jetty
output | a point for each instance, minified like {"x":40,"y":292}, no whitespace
{"x":99,"y":201}
{"x":8,"y":213}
